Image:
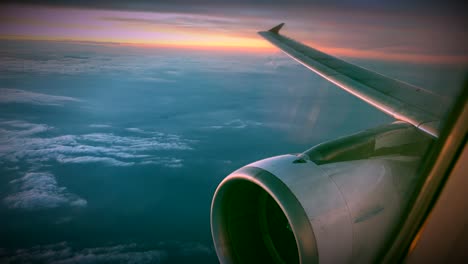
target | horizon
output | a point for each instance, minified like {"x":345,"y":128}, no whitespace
{"x":331,"y":30}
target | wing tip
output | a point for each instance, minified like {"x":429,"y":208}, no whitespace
{"x":276,"y":29}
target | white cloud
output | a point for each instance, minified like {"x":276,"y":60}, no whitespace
{"x":21,"y":96}
{"x":91,"y":159}
{"x":135,"y":129}
{"x":100,"y":126}
{"x":157,"y":80}
{"x":23,"y":141}
{"x":237,"y":124}
{"x":39,"y":190}
{"x":157,"y":141}
{"x":166,"y":162}
{"x":20,"y":128}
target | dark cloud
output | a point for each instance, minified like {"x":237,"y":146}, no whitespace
{"x":181,"y":21}
{"x":64,"y":252}
{"x":188,"y":6}
{"x":379,"y":17}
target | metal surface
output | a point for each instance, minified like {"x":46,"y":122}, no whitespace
{"x":237,"y":228}
{"x":339,"y":212}
{"x":403,"y":101}
{"x":399,"y":137}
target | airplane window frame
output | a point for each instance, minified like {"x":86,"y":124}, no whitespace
{"x":435,"y":171}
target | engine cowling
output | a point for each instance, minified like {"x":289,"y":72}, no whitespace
{"x":289,"y":209}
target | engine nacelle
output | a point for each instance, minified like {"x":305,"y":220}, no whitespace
{"x":289,"y":209}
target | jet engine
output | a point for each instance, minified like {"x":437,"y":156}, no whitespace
{"x":338,"y":202}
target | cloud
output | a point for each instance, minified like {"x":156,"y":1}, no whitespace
{"x":135,"y":129}
{"x":280,"y":63}
{"x":51,"y":63}
{"x":23,"y":141}
{"x":237,"y":124}
{"x":63,"y":253}
{"x":375,"y":26}
{"x":248,"y":6}
{"x":181,"y":20}
{"x":39,"y":190}
{"x":156,"y":141}
{"x":166,"y":162}
{"x":156,"y":79}
{"x":136,"y":63}
{"x":26,"y":97}
{"x":100,"y":126}
{"x":91,"y":159}
{"x":20,"y":128}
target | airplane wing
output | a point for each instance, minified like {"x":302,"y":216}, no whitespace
{"x":417,"y":106}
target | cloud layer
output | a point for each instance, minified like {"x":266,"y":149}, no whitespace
{"x":144,"y":65}
{"x":33,"y":147}
{"x":21,"y":96}
{"x":237,"y":124}
{"x":23,"y":141}
{"x":63,"y":253}
{"x":39,"y":190}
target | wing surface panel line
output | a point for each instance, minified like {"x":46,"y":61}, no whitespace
{"x":403,"y":101}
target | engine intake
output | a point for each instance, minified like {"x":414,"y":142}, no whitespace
{"x":255,"y":218}
{"x":291,"y":209}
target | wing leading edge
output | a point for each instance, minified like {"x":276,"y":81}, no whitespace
{"x":403,"y":101}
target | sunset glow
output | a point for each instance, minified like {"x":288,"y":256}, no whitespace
{"x":134,"y":28}
{"x":202,"y":31}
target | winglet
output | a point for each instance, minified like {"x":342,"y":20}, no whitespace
{"x":276,"y":29}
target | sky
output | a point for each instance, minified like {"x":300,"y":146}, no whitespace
{"x":410,"y":31}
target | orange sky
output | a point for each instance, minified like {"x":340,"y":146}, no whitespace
{"x":201,"y":31}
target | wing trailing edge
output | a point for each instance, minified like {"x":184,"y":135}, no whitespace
{"x":417,"y":106}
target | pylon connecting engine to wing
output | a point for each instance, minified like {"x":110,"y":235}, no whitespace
{"x":335,"y":203}
{"x":338,"y":202}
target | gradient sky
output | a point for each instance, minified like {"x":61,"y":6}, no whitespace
{"x":424,"y":32}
